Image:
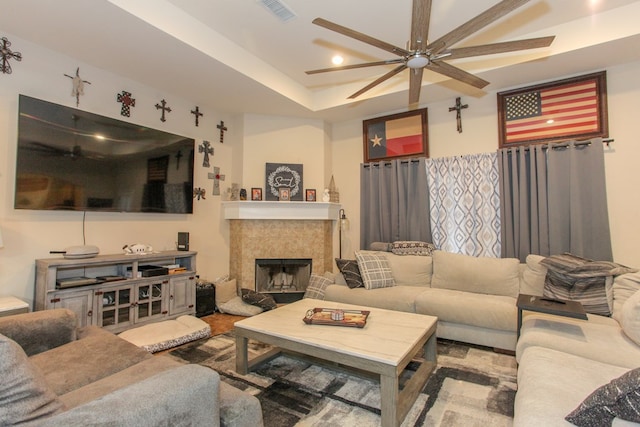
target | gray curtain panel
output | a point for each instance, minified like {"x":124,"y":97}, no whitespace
{"x":553,"y":200}
{"x":394,"y":202}
{"x":523,"y":201}
{"x":578,"y":215}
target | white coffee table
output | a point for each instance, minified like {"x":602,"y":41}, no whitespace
{"x":384,"y":347}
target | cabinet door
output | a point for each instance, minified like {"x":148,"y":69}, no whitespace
{"x":81,"y":303}
{"x":182,"y":295}
{"x":150,"y":300}
{"x":115,"y":307}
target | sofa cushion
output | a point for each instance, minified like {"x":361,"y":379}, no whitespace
{"x":375,"y":270}
{"x":533,"y":276}
{"x":482,"y":275}
{"x":630,"y":319}
{"x":591,"y":339}
{"x":410,"y":270}
{"x":411,"y":247}
{"x":264,"y":301}
{"x":552,"y":383}
{"x":619,"y":398}
{"x":238,"y":307}
{"x":350,"y":272}
{"x":226,"y":291}
{"x":398,"y":298}
{"x":624,"y":286}
{"x":24,"y":392}
{"x":317,"y":286}
{"x":495,"y":312}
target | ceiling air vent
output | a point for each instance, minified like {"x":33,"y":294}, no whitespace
{"x":279,"y":9}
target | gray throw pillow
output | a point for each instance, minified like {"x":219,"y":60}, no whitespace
{"x":618,"y":399}
{"x":351,"y":272}
{"x":265,"y":302}
{"x":24,"y":393}
{"x":375,"y":270}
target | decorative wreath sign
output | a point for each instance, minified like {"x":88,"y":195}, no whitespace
{"x":279,"y":176}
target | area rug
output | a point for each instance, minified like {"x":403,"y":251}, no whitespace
{"x":472,"y":386}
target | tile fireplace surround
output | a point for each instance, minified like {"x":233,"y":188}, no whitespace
{"x":267,"y":229}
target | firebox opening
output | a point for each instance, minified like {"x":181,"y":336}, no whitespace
{"x":286,"y":279}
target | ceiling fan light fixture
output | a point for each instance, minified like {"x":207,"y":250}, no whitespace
{"x":417,"y":61}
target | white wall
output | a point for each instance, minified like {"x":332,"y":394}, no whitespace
{"x":480,"y":135}
{"x":29,"y":235}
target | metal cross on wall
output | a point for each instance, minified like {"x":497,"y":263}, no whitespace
{"x":207,"y":149}
{"x":127,"y":103}
{"x":457,"y":108}
{"x":164,"y":109}
{"x":216,"y":177}
{"x":222,"y":128}
{"x":197,"y":113}
{"x":7,"y":54}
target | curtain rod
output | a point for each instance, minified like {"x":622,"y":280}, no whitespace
{"x":607,"y":141}
{"x":366,"y":165}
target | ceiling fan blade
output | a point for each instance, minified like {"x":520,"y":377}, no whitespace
{"x":360,"y":36}
{"x":489,"y":49}
{"x":415,"y":83}
{"x":485,"y":18}
{"x":349,"y":67}
{"x":378,"y":81}
{"x":457,"y":74}
{"x":420,"y":24}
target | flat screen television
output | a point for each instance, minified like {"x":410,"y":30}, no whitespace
{"x":70,"y":159}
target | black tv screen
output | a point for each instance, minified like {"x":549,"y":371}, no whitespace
{"x":69,"y":159}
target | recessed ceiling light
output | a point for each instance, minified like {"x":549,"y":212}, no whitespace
{"x":337,"y":60}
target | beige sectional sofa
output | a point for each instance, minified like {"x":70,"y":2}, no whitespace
{"x":474,"y":298}
{"x":562,"y":361}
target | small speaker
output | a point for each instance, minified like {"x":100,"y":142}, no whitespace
{"x":183,"y":241}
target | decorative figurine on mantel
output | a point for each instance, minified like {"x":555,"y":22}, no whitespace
{"x":334,"y":196}
{"x":326,"y":197}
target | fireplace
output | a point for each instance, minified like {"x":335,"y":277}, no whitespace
{"x":285,"y":279}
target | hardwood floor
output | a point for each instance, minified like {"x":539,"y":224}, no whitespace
{"x":220,"y":322}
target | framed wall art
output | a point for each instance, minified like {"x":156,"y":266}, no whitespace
{"x":282,"y":175}
{"x":256,"y":193}
{"x":574,"y":108}
{"x":396,"y":136}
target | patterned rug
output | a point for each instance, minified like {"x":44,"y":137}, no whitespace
{"x":472,"y":386}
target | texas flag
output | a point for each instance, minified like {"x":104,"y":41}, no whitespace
{"x":395,"y":138}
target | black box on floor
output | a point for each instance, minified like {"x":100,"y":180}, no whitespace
{"x":205,"y":301}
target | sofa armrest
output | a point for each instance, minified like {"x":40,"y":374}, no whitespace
{"x":40,"y":331}
{"x":184,"y":396}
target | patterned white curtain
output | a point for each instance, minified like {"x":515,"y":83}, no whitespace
{"x":465,"y":204}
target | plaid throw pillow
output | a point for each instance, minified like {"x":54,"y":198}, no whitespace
{"x":375,"y":270}
{"x":317,"y":286}
{"x":350,"y":272}
{"x":410,"y":247}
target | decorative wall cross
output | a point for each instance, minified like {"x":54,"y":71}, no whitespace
{"x":457,"y":108}
{"x":207,"y":149}
{"x":199,"y":193}
{"x":216,"y":177}
{"x":7,"y":54}
{"x":127,"y":103}
{"x":197,"y":113}
{"x":78,"y":85}
{"x":222,"y":128}
{"x":164,"y":109}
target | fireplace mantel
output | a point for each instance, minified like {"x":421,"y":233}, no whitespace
{"x":245,"y":209}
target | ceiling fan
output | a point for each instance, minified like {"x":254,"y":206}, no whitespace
{"x":421,"y":54}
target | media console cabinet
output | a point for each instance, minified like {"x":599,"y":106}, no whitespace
{"x":118,"y":292}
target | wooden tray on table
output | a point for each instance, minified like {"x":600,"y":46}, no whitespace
{"x":326,"y":316}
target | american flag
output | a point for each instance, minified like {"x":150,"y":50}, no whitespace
{"x":552,"y":113}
